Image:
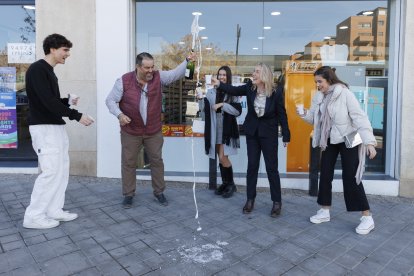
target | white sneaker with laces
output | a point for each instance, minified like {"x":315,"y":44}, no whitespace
{"x":63,"y":216}
{"x":321,"y":216}
{"x":41,"y":223}
{"x":367,"y":225}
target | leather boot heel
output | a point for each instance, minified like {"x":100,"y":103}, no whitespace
{"x":248,"y":207}
{"x":276,"y":209}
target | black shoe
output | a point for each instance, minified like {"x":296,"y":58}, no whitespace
{"x":220,"y":190}
{"x":248,"y":207}
{"x":127,"y":203}
{"x":276,"y":209}
{"x":230,"y":189}
{"x":161,"y":199}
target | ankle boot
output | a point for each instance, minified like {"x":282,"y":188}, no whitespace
{"x":248,"y":207}
{"x":220,"y":190}
{"x":276,"y":209}
{"x":231,"y":187}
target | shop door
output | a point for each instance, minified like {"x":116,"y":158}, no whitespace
{"x":299,"y":89}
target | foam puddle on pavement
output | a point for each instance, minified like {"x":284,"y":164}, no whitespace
{"x":202,"y":254}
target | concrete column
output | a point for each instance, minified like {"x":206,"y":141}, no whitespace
{"x":114,"y":57}
{"x":76,"y":20}
{"x":407,"y":126}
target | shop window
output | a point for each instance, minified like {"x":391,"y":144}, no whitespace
{"x":17,"y":52}
{"x":286,"y":35}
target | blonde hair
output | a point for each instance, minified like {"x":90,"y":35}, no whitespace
{"x":266,"y":76}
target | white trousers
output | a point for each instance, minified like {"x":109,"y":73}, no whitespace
{"x":51,"y":145}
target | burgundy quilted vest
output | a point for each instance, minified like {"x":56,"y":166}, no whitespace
{"x":129,"y":105}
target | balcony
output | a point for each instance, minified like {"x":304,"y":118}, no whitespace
{"x":364,"y":40}
{"x":362,"y":58}
{"x":363,"y":50}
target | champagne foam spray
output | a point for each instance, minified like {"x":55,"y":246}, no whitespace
{"x":196,"y":43}
{"x":196,"y":46}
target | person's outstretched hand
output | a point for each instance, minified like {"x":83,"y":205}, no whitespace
{"x":215,"y":82}
{"x":86,"y":120}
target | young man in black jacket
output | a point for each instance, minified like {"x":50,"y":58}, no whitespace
{"x":49,"y":137}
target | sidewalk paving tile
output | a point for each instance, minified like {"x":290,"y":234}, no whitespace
{"x":151,"y":239}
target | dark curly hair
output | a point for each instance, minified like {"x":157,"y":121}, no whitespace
{"x":55,"y":41}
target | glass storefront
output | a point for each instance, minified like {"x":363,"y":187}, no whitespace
{"x":17,"y":52}
{"x":293,"y":37}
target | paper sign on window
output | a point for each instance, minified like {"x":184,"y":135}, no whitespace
{"x":21,"y":52}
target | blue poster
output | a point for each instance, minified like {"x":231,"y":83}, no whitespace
{"x":8,"y":120}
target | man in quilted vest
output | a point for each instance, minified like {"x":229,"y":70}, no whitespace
{"x":136,"y":100}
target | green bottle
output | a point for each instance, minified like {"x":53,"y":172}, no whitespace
{"x":189,"y":71}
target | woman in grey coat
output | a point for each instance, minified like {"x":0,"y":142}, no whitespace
{"x":221,"y":132}
{"x":336,"y":115}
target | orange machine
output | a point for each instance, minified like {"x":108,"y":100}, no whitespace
{"x":299,"y":89}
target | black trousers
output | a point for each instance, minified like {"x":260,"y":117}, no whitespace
{"x":354,"y":194}
{"x":269,"y":146}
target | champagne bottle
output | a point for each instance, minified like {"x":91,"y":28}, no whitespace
{"x":189,"y":71}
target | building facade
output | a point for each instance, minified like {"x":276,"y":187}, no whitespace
{"x":108,"y":34}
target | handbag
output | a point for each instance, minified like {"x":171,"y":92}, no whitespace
{"x":352,"y":140}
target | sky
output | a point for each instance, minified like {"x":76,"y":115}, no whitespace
{"x":298,"y":23}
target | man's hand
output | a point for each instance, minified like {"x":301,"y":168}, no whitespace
{"x":192,"y":56}
{"x":86,"y":120}
{"x":123,"y":119}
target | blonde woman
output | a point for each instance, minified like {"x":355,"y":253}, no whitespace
{"x":266,"y":109}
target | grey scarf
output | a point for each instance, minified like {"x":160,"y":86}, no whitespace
{"x":326,"y":121}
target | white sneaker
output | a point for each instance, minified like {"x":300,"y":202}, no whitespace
{"x":321,"y":216}
{"x":63,"y":216}
{"x":42,"y":223}
{"x":366,"y":225}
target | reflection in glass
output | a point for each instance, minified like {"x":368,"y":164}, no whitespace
{"x":349,"y":35}
{"x":17,"y":25}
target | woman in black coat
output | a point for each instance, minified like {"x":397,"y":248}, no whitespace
{"x":266,"y":110}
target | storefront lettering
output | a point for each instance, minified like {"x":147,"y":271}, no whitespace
{"x":302,"y":67}
{"x":306,"y":66}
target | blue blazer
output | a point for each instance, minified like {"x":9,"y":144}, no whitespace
{"x":275,"y":112}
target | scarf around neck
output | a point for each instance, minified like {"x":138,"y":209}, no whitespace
{"x":326,"y":121}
